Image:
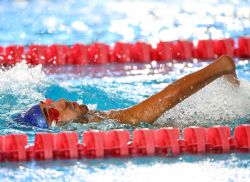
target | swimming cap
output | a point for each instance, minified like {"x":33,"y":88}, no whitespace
{"x":33,"y":116}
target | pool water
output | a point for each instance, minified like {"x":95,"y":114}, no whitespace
{"x":114,"y":86}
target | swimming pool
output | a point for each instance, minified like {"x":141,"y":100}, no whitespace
{"x":121,"y":85}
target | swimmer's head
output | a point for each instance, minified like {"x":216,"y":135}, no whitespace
{"x":33,"y":117}
{"x":50,"y":113}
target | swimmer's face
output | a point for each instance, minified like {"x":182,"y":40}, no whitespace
{"x":68,"y":111}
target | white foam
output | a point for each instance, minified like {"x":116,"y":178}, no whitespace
{"x":217,"y":102}
{"x":19,"y":86}
{"x":92,"y":106}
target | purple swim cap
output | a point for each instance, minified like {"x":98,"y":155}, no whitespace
{"x":33,"y":116}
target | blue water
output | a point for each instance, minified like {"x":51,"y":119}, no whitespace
{"x":118,"y":86}
{"x":46,"y":22}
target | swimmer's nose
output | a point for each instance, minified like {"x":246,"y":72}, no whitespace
{"x":61,"y":103}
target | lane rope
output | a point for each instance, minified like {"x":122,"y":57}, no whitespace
{"x":100,"y":53}
{"x":118,"y":143}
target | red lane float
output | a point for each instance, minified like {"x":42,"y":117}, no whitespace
{"x":117,"y":143}
{"x":163,"y":51}
{"x":183,"y":50}
{"x":244,"y":47}
{"x":36,"y":54}
{"x":205,"y":50}
{"x":225,"y":46}
{"x":66,"y":145}
{"x":242,"y":137}
{"x":218,"y":139}
{"x":1,"y":148}
{"x":144,"y":142}
{"x":167,"y":141}
{"x":44,"y":146}
{"x":93,"y":144}
{"x":1,"y":55}
{"x":57,"y":54}
{"x":195,"y":138}
{"x":141,"y":52}
{"x":50,"y":146}
{"x":14,"y":147}
{"x":100,"y":53}
{"x":121,"y":52}
{"x":79,"y":54}
{"x":12,"y":54}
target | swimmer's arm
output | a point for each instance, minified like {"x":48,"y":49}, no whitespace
{"x":153,"y":107}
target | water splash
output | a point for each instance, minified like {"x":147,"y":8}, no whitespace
{"x":218,"y":103}
{"x":20,"y":86}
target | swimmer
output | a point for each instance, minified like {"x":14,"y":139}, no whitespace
{"x":49,"y":113}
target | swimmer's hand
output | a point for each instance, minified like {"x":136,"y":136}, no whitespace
{"x":232,"y":78}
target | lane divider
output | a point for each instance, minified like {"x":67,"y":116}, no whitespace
{"x":100,"y":53}
{"x":117,"y":143}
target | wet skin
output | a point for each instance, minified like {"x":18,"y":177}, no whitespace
{"x":68,"y":111}
{"x":153,"y":107}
